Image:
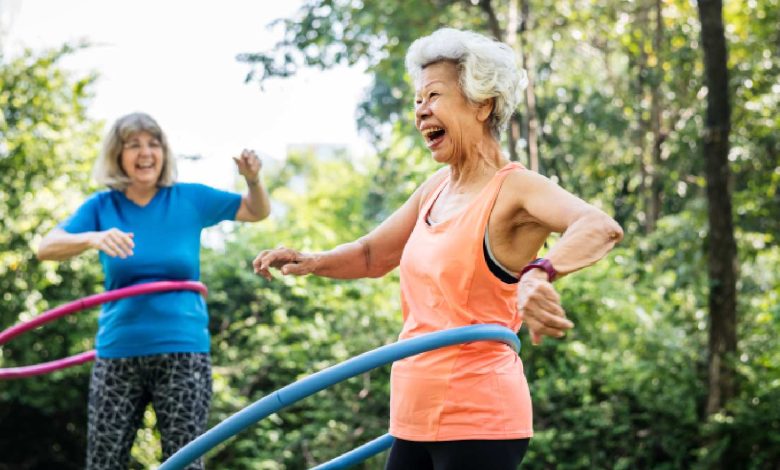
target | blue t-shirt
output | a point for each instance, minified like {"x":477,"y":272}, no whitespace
{"x":166,"y":233}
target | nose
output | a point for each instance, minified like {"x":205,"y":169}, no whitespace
{"x":145,"y":149}
{"x":422,"y":110}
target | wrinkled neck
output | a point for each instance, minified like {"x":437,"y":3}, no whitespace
{"x":481,"y":159}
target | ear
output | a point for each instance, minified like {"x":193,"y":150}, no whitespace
{"x":485,"y":109}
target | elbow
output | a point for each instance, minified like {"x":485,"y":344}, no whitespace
{"x":379,"y":271}
{"x":376,"y":266}
{"x":42,"y":253}
{"x":602,"y":226}
{"x":47,"y":255}
{"x":613,"y":230}
{"x":255,"y":215}
{"x":264,"y":214}
{"x":261,"y":215}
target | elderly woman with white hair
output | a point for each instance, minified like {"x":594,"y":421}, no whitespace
{"x":467,"y":242}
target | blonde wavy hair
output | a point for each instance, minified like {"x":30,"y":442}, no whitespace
{"x":108,"y":168}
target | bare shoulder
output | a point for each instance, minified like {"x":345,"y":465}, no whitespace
{"x":526,"y":196}
{"x":530,"y":197}
{"x":522,"y":178}
{"x":430,"y":184}
{"x":518,"y":185}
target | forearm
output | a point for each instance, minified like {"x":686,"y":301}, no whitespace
{"x":352,"y":260}
{"x":256,"y":199}
{"x":585,"y":242}
{"x":62,"y":245}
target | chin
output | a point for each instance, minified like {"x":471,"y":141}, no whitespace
{"x":440,"y":157}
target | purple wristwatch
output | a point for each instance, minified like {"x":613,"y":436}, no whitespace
{"x":543,"y":264}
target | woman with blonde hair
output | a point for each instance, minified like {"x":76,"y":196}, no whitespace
{"x":146,"y":227}
{"x":466,"y":242}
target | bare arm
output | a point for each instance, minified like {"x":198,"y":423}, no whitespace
{"x":373,"y":255}
{"x":588,"y":235}
{"x":60,"y":245}
{"x":255,"y":204}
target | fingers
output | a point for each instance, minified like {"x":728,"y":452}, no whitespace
{"x":261,"y":265}
{"x":553,"y":307}
{"x":542,"y":312}
{"x":547,"y":324}
{"x":115,"y":243}
{"x":284,"y":259}
{"x":248,"y":163}
{"x":536,"y":338}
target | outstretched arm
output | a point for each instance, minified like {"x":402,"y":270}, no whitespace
{"x":373,"y":255}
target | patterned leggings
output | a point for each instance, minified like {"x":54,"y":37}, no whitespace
{"x":179,"y":387}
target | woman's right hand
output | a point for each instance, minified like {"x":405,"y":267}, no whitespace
{"x":113,"y":242}
{"x":286,"y":260}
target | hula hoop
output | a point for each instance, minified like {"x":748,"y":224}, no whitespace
{"x":77,"y":306}
{"x":332,"y":375}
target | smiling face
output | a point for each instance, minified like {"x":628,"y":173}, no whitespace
{"x":447,"y":120}
{"x":142,"y":159}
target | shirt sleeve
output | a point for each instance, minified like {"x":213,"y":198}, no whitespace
{"x":85,"y":219}
{"x":216,"y":205}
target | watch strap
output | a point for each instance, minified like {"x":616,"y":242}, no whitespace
{"x":543,"y":264}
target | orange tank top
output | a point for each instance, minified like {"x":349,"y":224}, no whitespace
{"x":470,"y":391}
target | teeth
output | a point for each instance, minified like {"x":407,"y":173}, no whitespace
{"x":426,"y":132}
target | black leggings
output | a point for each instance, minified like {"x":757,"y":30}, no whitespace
{"x":179,"y":387}
{"x":457,"y":455}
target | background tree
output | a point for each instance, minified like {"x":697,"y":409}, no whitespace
{"x":721,"y":247}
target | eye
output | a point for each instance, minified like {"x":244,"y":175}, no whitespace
{"x":132,"y":145}
{"x":155,"y":144}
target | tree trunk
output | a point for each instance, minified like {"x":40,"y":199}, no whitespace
{"x":721,"y":247}
{"x":526,"y":26}
{"x":509,"y":37}
{"x":655,"y":186}
{"x":512,"y":24}
{"x":643,"y":122}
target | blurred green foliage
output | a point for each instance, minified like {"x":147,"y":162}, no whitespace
{"x":625,"y":389}
{"x":47,"y":146}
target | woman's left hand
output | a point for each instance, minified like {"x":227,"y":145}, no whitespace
{"x":249,"y":165}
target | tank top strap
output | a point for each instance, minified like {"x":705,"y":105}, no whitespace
{"x":512,"y":166}
{"x":482,"y":209}
{"x":432,"y":196}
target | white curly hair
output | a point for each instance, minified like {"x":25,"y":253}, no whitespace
{"x":486,"y":68}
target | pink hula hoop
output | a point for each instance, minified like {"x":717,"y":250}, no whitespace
{"x":77,"y":306}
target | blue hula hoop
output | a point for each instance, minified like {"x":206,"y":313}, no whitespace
{"x":312,"y":384}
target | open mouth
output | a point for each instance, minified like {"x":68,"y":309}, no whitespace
{"x":145,"y":166}
{"x":433,"y":135}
